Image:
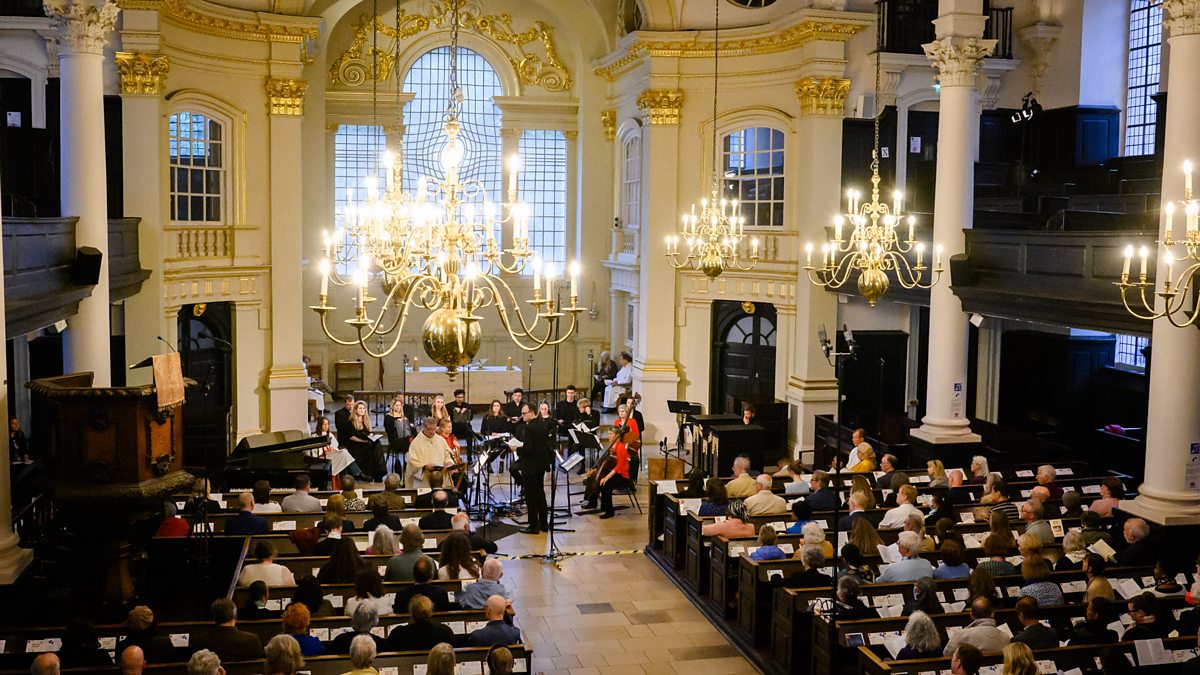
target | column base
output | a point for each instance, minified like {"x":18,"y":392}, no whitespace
{"x":1164,"y":507}
{"x":288,"y":389}
{"x":810,"y":398}
{"x":942,"y":431}
{"x":954,"y":451}
{"x":13,"y":564}
{"x":658,"y":382}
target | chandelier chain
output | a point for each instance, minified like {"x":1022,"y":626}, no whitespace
{"x":716,"y":81}
{"x":453,"y":109}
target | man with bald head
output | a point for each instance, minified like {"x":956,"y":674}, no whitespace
{"x":246,"y":522}
{"x":133,"y":660}
{"x":462,"y":521}
{"x":1041,"y":495}
{"x":499,"y":629}
{"x":475,"y":596}
{"x":47,"y":664}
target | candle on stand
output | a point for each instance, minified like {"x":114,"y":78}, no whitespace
{"x":1187,"y":178}
{"x":549,"y":278}
{"x":1144,"y":253}
{"x":1170,"y":260}
{"x":754,"y":247}
{"x":1128,"y":259}
{"x":1169,"y":210}
{"x":896,"y":203}
{"x":808,"y":254}
{"x":575,"y":279}
{"x":537,"y":273}
{"x":1193,"y":216}
{"x":825,"y":255}
{"x":912,"y":223}
{"x":937,"y":256}
{"x":324,"y":276}
{"x":837,"y":228}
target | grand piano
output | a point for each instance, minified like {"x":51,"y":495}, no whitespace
{"x":276,"y":457}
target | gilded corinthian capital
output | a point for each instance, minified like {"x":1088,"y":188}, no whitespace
{"x":661,"y":106}
{"x":1182,"y":17}
{"x":83,"y":27}
{"x":142,"y":74}
{"x":287,"y":96}
{"x":958,"y":60}
{"x":822,"y":96}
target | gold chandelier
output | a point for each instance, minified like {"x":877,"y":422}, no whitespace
{"x":873,"y":247}
{"x":440,"y":249}
{"x":715,"y":236}
{"x":1177,"y":292}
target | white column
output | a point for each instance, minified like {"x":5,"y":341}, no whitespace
{"x":83,"y":32}
{"x":1169,"y":494}
{"x":958,"y":54}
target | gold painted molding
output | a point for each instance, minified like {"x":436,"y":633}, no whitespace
{"x":794,"y":36}
{"x":822,"y":96}
{"x":609,"y":119}
{"x":660,"y":106}
{"x":286,"y":96}
{"x":360,"y":63}
{"x":181,"y":12}
{"x":142,"y":73}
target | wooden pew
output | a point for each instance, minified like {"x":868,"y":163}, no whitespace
{"x":307,"y":520}
{"x":284,"y":546}
{"x":229,"y":500}
{"x":345,"y":591}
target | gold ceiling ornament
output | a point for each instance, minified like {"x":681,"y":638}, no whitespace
{"x":286,"y":96}
{"x":1178,"y":294}
{"x":546,"y":70}
{"x":608,"y":118}
{"x":440,"y":248}
{"x":660,"y":106}
{"x":209,"y":19}
{"x":142,"y":73}
{"x":791,"y":37}
{"x":823,"y":96}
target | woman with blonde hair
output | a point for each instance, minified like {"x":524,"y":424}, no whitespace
{"x":866,"y":461}
{"x":1001,"y":529}
{"x":1029,"y":544}
{"x":438,"y":409}
{"x":937,"y":474}
{"x":441,"y":660}
{"x":367,"y":451}
{"x":864,"y":536}
{"x":1018,"y":660}
{"x":860,"y":484}
{"x":335,"y":507}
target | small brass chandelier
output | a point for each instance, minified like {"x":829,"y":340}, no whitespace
{"x":1178,"y":293}
{"x":873,"y":247}
{"x":440,"y":249}
{"x":713,"y":237}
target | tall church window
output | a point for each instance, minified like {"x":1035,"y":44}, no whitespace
{"x":1145,"y":54}
{"x":197,"y":166}
{"x":752,"y":168}
{"x":357,"y":156}
{"x":631,"y":181}
{"x":544,"y":189}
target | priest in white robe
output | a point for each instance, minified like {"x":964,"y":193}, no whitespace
{"x":621,"y":385}
{"x":427,"y":450}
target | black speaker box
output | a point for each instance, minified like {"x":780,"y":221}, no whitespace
{"x":86,"y":271}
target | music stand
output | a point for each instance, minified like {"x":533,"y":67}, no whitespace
{"x":682,"y":410}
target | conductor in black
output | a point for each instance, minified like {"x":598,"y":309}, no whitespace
{"x":536,"y":455}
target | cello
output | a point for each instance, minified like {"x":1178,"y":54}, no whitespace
{"x":592,"y":481}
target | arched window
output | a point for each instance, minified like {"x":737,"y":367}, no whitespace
{"x":631,"y":181}
{"x":1145,"y":54}
{"x":745,"y":332}
{"x":196,"y":147}
{"x":752,"y":164}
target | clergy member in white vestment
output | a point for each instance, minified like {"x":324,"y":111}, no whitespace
{"x":427,"y":449}
{"x":621,"y":384}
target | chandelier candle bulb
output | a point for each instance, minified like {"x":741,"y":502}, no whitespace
{"x":324,"y":268}
{"x":912,"y":222}
{"x":1187,"y":178}
{"x":549,"y":279}
{"x":837,"y":228}
{"x":1169,"y":210}
{"x":574,"y":281}
{"x":937,"y":256}
{"x":1193,"y":216}
{"x":754,"y":247}
{"x":808,"y":248}
{"x":920,"y":251}
{"x":1128,"y":259}
{"x":1144,"y":253}
{"x":896,"y":203}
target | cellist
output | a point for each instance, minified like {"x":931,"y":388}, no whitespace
{"x":614,"y":474}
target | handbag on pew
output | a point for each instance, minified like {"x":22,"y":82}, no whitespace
{"x":305,"y":539}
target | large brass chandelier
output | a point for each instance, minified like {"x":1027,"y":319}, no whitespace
{"x":441,"y":249}
{"x":715,"y":236}
{"x":1178,"y":294}
{"x":873,"y":247}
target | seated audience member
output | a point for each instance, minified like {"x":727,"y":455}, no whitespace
{"x":999,"y":526}
{"x":864,"y":536}
{"x":952,"y":565}
{"x":1018,"y":660}
{"x":849,"y":606}
{"x":335,"y":509}
{"x":205,"y":662}
{"x":1046,"y":476}
{"x":1072,"y":552}
{"x":381,"y":516}
{"x":1040,"y":494}
{"x":967,"y":660}
{"x":1035,"y":575}
{"x":1003,"y":502}
{"x":856,"y":505}
{"x":1034,"y":633}
{"x":1165,"y":585}
{"x":80,"y":646}
{"x":475,"y":596}
{"x":441,"y":661}
{"x":296,"y":620}
{"x":368,"y":589}
{"x":46,"y":663}
{"x":925,"y":598}
{"x":921,"y":639}
{"x":979,"y":470}
{"x":461,"y":521}
{"x":812,"y":535}
{"x":1031,"y":514}
{"x":911,"y":566}
{"x":265,"y":568}
{"x":141,"y":631}
{"x":332,"y":526}
{"x":301,"y":501}
{"x":821,"y":497}
{"x":1094,"y":629}
{"x":797,"y":485}
{"x":1090,"y":529}
{"x":172,"y":525}
{"x":716,"y":499}
{"x":767,"y":550}
{"x":365,"y":617}
{"x":500,"y":661}
{"x":362,"y":650}
{"x":1072,"y":505}
{"x":802,"y":513}
{"x":940,"y":506}
{"x":132,"y":661}
{"x":440,"y":518}
{"x":906,"y":498}
{"x":383,"y":541}
{"x":225,"y":640}
{"x":945,"y":530}
{"x":958,"y":492}
{"x":1143,"y":609}
{"x":1139,"y":550}
{"x":1112,"y":491}
{"x":390,"y":496}
{"x":283,"y":656}
{"x":255,"y":607}
{"x":343,"y":566}
{"x":981,"y":584}
{"x":421,"y":632}
{"x":764,"y":501}
{"x":734,"y":525}
{"x":458,"y":562}
{"x":990,"y":494}
{"x":412,"y":541}
{"x":855,"y":566}
{"x":887,"y":464}
{"x":1098,"y":585}
{"x":499,"y":629}
{"x":262,"y":501}
{"x":308,"y":593}
{"x":982,"y":632}
{"x":916,"y":524}
{"x":743,"y":484}
{"x":937,"y":475}
{"x":866,"y":460}
{"x":811,"y":576}
{"x":423,"y":571}
{"x":246,"y":522}
{"x":350,"y":494}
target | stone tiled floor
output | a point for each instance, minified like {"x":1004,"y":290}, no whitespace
{"x":610,"y":613}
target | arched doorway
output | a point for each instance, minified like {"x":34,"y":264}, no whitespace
{"x":743,"y":353}
{"x":206,"y":353}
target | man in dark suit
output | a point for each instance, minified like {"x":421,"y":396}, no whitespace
{"x":1035,"y":634}
{"x":421,"y":633}
{"x":1140,"y":551}
{"x":887,"y":464}
{"x":512,"y":409}
{"x":439,"y":519}
{"x":536,"y":455}
{"x":226,"y":641}
{"x":821,"y":497}
{"x":342,"y":427}
{"x":846,"y":522}
{"x":422,"y":572}
{"x":460,"y":417}
{"x":567,"y":410}
{"x":245,"y":522}
{"x":380,"y":515}
{"x":499,"y":630}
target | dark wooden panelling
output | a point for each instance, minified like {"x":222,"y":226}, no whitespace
{"x":1045,"y":379}
{"x":1057,"y":260}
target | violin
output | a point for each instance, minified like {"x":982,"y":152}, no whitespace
{"x":592,"y":481}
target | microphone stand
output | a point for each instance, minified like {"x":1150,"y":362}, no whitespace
{"x":553,"y":553}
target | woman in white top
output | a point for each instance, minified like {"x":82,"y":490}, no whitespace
{"x":457,"y":561}
{"x":266,"y":569}
{"x":368,"y":587}
{"x":340,"y":460}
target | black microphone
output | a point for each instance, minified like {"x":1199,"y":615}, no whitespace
{"x":168,"y":344}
